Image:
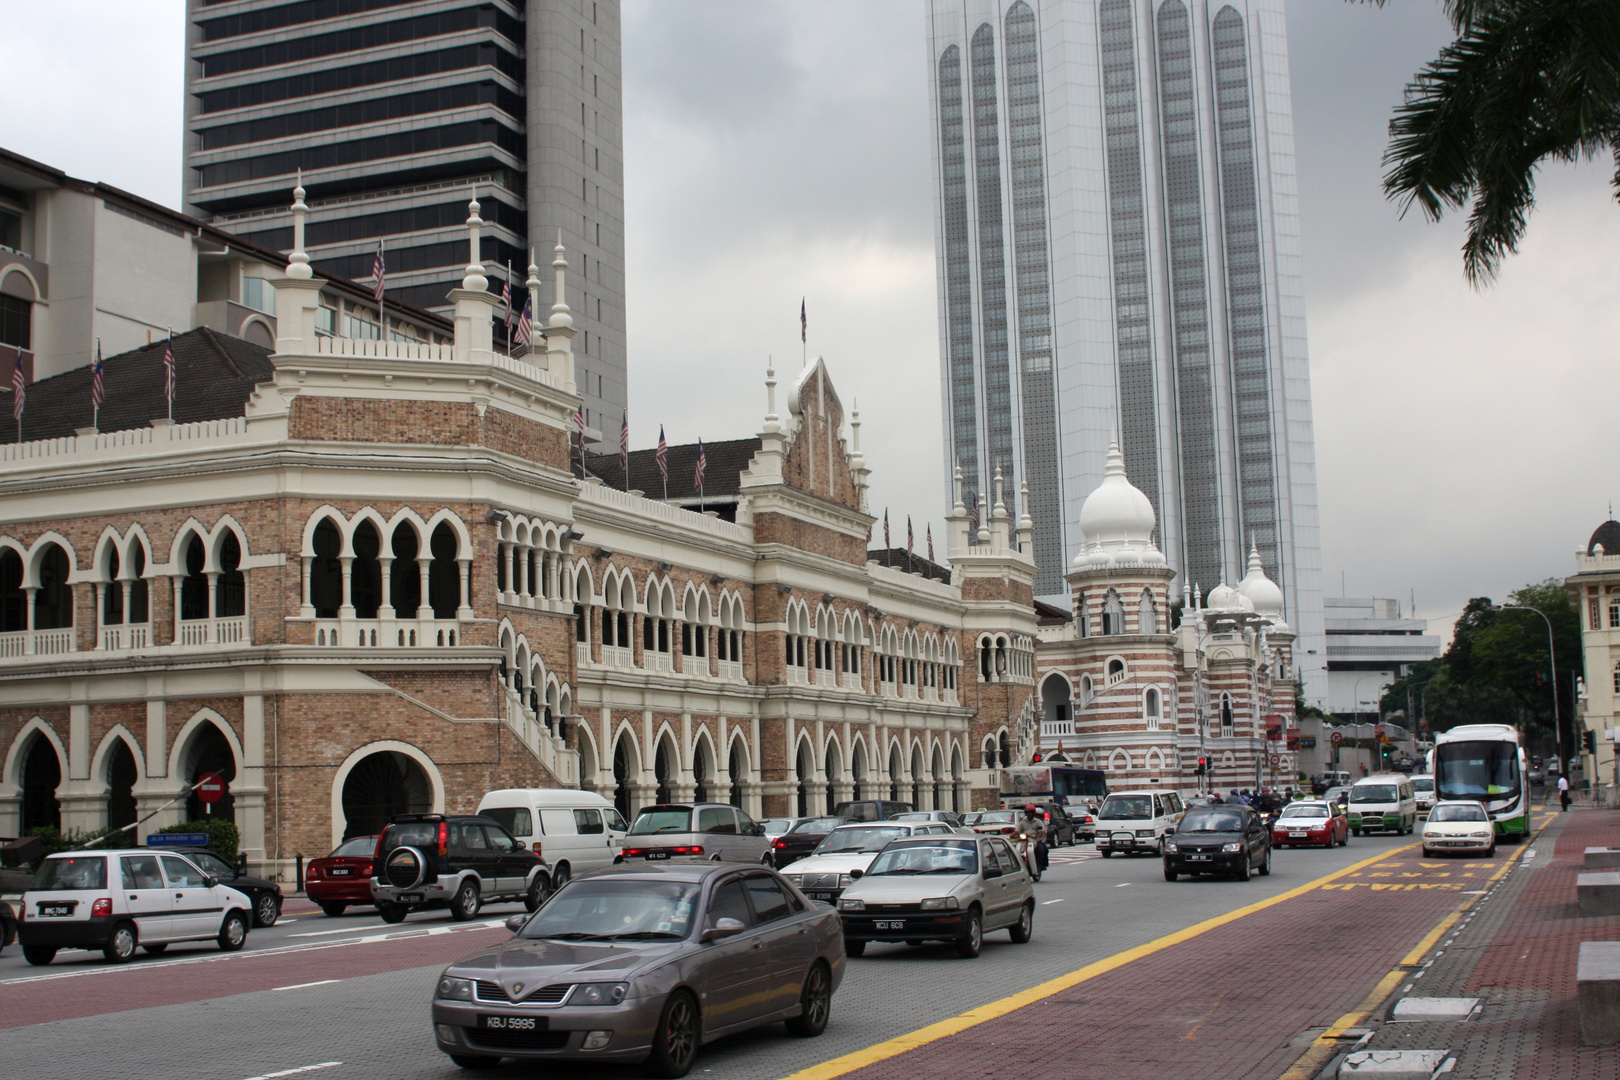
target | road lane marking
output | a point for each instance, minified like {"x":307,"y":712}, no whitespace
{"x":900,"y":1044}
{"x":328,"y":933}
{"x":295,"y":1072}
{"x":1059,"y":900}
{"x":300,"y":986}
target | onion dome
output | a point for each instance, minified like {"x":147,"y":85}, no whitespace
{"x":1225,"y":598}
{"x":1260,"y":590}
{"x":1606,"y":536}
{"x":1117,"y":520}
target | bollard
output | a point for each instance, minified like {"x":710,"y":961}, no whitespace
{"x":241,"y":864}
{"x":300,"y":870}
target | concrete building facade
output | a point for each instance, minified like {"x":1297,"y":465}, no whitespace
{"x":1594,"y":589}
{"x":1371,"y":643}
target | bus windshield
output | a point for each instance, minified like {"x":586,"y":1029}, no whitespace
{"x":1477,"y":770}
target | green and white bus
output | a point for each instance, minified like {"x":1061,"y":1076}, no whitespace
{"x":1485,"y":763}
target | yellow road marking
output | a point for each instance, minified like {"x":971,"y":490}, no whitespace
{"x":889,"y":1048}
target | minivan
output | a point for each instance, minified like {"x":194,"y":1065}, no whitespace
{"x":715,"y":831}
{"x":577,"y":831}
{"x":1137,"y":822}
{"x":1383,"y":802}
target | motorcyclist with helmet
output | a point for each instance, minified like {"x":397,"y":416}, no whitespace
{"x":1033,"y":825}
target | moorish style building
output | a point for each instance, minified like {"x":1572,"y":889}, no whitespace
{"x":363,"y":577}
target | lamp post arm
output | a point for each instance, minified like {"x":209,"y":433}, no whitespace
{"x":1552,"y":666}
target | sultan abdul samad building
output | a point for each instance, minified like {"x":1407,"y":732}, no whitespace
{"x":362,"y":577}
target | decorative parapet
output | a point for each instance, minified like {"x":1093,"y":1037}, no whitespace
{"x":652,"y":509}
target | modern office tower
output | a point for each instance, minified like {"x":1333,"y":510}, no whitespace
{"x":396,"y":111}
{"x":1118,"y":249}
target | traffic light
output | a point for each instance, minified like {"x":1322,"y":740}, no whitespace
{"x":1036,"y":760}
{"x":1589,"y":738}
{"x":1203,"y":766}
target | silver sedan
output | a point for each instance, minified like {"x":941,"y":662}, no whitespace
{"x":644,"y":963}
{"x":939,"y":888}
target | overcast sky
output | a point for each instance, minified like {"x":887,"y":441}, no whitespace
{"x":780,"y":150}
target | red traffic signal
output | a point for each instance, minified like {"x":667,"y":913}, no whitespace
{"x":1036,"y":760}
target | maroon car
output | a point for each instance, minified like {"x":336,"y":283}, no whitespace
{"x":1314,"y":822}
{"x":343,"y":877}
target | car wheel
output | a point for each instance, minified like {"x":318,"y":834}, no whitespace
{"x":560,"y":876}
{"x":267,"y":910}
{"x":1021,"y":930}
{"x":675,"y":1042}
{"x":121,"y":944}
{"x":392,"y":913}
{"x":1355,"y":832}
{"x":854,"y":948}
{"x":1426,"y":854}
{"x":467,"y":902}
{"x":1169,"y":874}
{"x":1490,"y":852}
{"x":815,"y":1003}
{"x":764,"y":860}
{"x":334,"y":910}
{"x":39,"y":955}
{"x":1265,"y":867}
{"x":1106,"y":853}
{"x":475,"y":1061}
{"x":233,"y":932}
{"x":1244,"y":869}
{"x":969,"y":944}
{"x":537,"y":892}
{"x":156,"y":950}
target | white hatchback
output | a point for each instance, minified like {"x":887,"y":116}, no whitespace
{"x":1458,"y":825}
{"x":118,"y":901}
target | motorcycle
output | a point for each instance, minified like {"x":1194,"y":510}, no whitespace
{"x":1026,"y":849}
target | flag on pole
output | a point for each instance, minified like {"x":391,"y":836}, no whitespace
{"x":168,"y":372}
{"x":19,"y":393}
{"x":868,"y":532}
{"x":525,"y":326}
{"x":506,"y":295}
{"x":624,"y":449}
{"x":930,"y":541}
{"x":886,"y":543}
{"x":804,"y":323}
{"x":98,"y":389}
{"x":579,"y":425}
{"x":910,"y":539}
{"x":379,"y":273}
{"x":662,"y":455}
{"x":973,"y":517}
{"x":702,"y":465}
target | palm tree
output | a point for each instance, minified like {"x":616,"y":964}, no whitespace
{"x":1525,"y":81}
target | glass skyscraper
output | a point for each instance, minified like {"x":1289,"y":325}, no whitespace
{"x":1119,"y":255}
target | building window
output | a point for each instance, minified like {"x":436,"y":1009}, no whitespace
{"x":1150,"y":709}
{"x":10,"y":228}
{"x":963,"y":419}
{"x":1617,"y":679}
{"x":259,"y":295}
{"x":992,"y":257}
{"x":1614,"y":616}
{"x":1147,"y":615}
{"x":1226,"y":714}
{"x":16,"y":322}
{"x":1113,"y":617}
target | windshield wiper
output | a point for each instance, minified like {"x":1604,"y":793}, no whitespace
{"x":901,"y":870}
{"x":645,"y":935}
{"x":577,"y":935}
{"x":945,"y":870}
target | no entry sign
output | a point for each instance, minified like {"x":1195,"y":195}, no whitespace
{"x":1336,"y":738}
{"x":210,"y":789}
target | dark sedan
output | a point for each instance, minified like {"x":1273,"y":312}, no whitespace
{"x":343,"y":877}
{"x":801,"y":839}
{"x":1218,"y":840}
{"x":266,"y":895}
{"x":644,"y":962}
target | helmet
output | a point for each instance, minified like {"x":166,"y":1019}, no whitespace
{"x":1030,"y":809}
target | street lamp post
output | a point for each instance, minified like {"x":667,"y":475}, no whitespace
{"x":1552,"y":664}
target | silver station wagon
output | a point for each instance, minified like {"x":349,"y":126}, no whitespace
{"x":644,"y":962}
{"x":939,"y":888}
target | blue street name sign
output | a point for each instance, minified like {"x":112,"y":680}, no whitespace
{"x":177,"y":839}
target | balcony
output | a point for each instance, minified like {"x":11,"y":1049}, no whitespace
{"x":852,"y":680}
{"x":1056,"y":728}
{"x":695,"y":665}
{"x":825,"y":678}
{"x":231,"y":630}
{"x":386,"y":633}
{"x":731,"y":669}
{"x":582,"y":653}
{"x":658,"y":661}
{"x":20,"y":643}
{"x":618,"y":656}
{"x":798,"y":676}
{"x":131,"y":636}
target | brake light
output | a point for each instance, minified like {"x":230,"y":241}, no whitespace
{"x":101,"y":908}
{"x":376,"y":856}
{"x":1007,"y":831}
{"x":694,"y":849}
{"x":444,"y":838}
{"x":312,"y":873}
{"x":780,"y":844}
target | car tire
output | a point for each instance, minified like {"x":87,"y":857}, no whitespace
{"x":1106,"y":853}
{"x":969,"y":944}
{"x":815,"y":1003}
{"x":156,"y":950}
{"x":1170,"y":875}
{"x":675,"y":1040}
{"x":467,"y":902}
{"x":1244,"y":870}
{"x":764,"y":860}
{"x":121,"y":943}
{"x":536,"y":894}
{"x":233,"y":932}
{"x":560,"y":876}
{"x":854,"y":948}
{"x":1355,"y":832}
{"x":1265,"y":867}
{"x":39,"y":955}
{"x":266,"y":910}
{"x":1490,"y":852}
{"x":392,"y":913}
{"x":1426,"y":854}
{"x":334,"y":910}
{"x":1022,"y":930}
{"x":475,"y":1061}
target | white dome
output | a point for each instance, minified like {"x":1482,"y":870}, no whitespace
{"x":1117,"y":514}
{"x":1225,"y":598}
{"x":1260,"y":590}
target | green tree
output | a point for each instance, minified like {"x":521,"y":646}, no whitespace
{"x":1525,"y":82}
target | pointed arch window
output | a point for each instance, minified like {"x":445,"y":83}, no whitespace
{"x":1113,"y":616}
{"x":1147,"y":614}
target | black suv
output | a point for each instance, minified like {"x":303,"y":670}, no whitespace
{"x":463,"y":863}
{"x":265,"y":894}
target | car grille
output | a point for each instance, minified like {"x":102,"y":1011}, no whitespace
{"x":884,"y":908}
{"x":546,"y":995}
{"x":819,"y":881}
{"x":519,"y":1040}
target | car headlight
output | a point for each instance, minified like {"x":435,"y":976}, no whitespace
{"x":452,"y":989}
{"x":845,"y":880}
{"x":940,"y":903}
{"x":1140,"y":833}
{"x":1231,"y":847}
{"x":852,"y":905}
{"x":1481,"y":835}
{"x":599,"y":993}
{"x":1172,"y":848}
{"x":797,"y":879}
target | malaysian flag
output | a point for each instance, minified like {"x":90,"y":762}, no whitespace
{"x":661,"y":455}
{"x":910,"y":539}
{"x":19,"y":393}
{"x":624,"y":449}
{"x":930,"y":541}
{"x":506,"y":295}
{"x":702,"y":464}
{"x":525,"y":326}
{"x":168,"y":372}
{"x":98,"y":387}
{"x":379,"y":273}
{"x":804,"y":323}
{"x":973,"y":515}
{"x":885,"y":527}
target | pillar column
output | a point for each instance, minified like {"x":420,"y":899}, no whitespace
{"x":385,"y":610}
{"x":306,"y":608}
{"x":464,"y":610}
{"x":424,"y":609}
{"x":509,"y":596}
{"x":28,"y":639}
{"x":346,"y":609}
{"x":248,"y":789}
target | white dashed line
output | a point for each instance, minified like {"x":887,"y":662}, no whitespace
{"x":1059,"y":900}
{"x":295,"y":1072}
{"x":300,"y":986}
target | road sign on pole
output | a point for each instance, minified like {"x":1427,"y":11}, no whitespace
{"x":1336,"y":738}
{"x":210,"y":789}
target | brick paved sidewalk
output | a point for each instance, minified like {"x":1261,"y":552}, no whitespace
{"x":1518,"y":953}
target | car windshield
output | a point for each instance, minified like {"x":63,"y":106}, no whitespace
{"x":818,"y":825}
{"x":777,"y":825}
{"x":667,"y":820}
{"x":1373,"y":793}
{"x":212,"y":864}
{"x":993,"y":816}
{"x":972,"y":818}
{"x":71,"y":872}
{"x":360,"y":845}
{"x":948,"y":857}
{"x":1457,"y":813}
{"x":1477,"y":770}
{"x":1211,"y":820}
{"x":1313,"y":813}
{"x":1424,"y":784}
{"x":613,"y":909}
{"x":862,"y":839}
{"x":1127,"y":807}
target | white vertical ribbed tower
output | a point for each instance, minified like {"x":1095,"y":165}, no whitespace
{"x":1118,"y":249}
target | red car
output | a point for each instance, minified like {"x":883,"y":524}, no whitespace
{"x":343,"y":877}
{"x":1313,"y":822}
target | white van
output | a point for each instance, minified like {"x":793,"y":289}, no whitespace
{"x":1136,"y":822}
{"x":576,"y":831}
{"x":1384,"y":802}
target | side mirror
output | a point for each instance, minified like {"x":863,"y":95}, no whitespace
{"x":521,"y":846}
{"x":992,"y":872}
{"x":855,"y":875}
{"x":209,"y":881}
{"x":723,"y":928}
{"x":515,"y":923}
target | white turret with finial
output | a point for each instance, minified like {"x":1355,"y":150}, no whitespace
{"x":474,"y":279}
{"x":1117,"y":521}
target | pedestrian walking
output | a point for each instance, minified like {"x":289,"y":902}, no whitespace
{"x":1563,"y":792}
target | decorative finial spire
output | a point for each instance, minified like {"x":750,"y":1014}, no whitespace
{"x":298,"y":260}
{"x":855,"y":425}
{"x":773,"y":423}
{"x":1001,"y":504}
{"x":533,"y":283}
{"x":959,"y":509}
{"x":559,"y":263}
{"x":1024,"y":520}
{"x":474,"y":280}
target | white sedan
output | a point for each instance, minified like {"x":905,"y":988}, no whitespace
{"x":848,"y":850}
{"x":1458,"y":825}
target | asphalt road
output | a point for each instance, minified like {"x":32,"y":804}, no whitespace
{"x":347,"y":998}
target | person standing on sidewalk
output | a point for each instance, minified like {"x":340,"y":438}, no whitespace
{"x":1563,"y":792}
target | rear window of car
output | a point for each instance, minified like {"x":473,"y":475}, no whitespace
{"x":1423,"y":783}
{"x":668,"y":820}
{"x":360,"y":845}
{"x":857,"y":811}
{"x":818,"y":825}
{"x":1212,"y":820}
{"x":1127,"y":807}
{"x":1373,"y":793}
{"x":71,"y":872}
{"x":411,"y":834}
{"x":863,"y":838}
{"x":514,"y":819}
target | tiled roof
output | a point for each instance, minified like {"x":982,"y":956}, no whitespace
{"x":899,"y":560}
{"x":1046,"y":614}
{"x":214,"y":377}
{"x":721,"y":473}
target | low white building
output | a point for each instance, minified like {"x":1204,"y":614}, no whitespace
{"x":1370,"y":644}
{"x":1594,"y":589}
